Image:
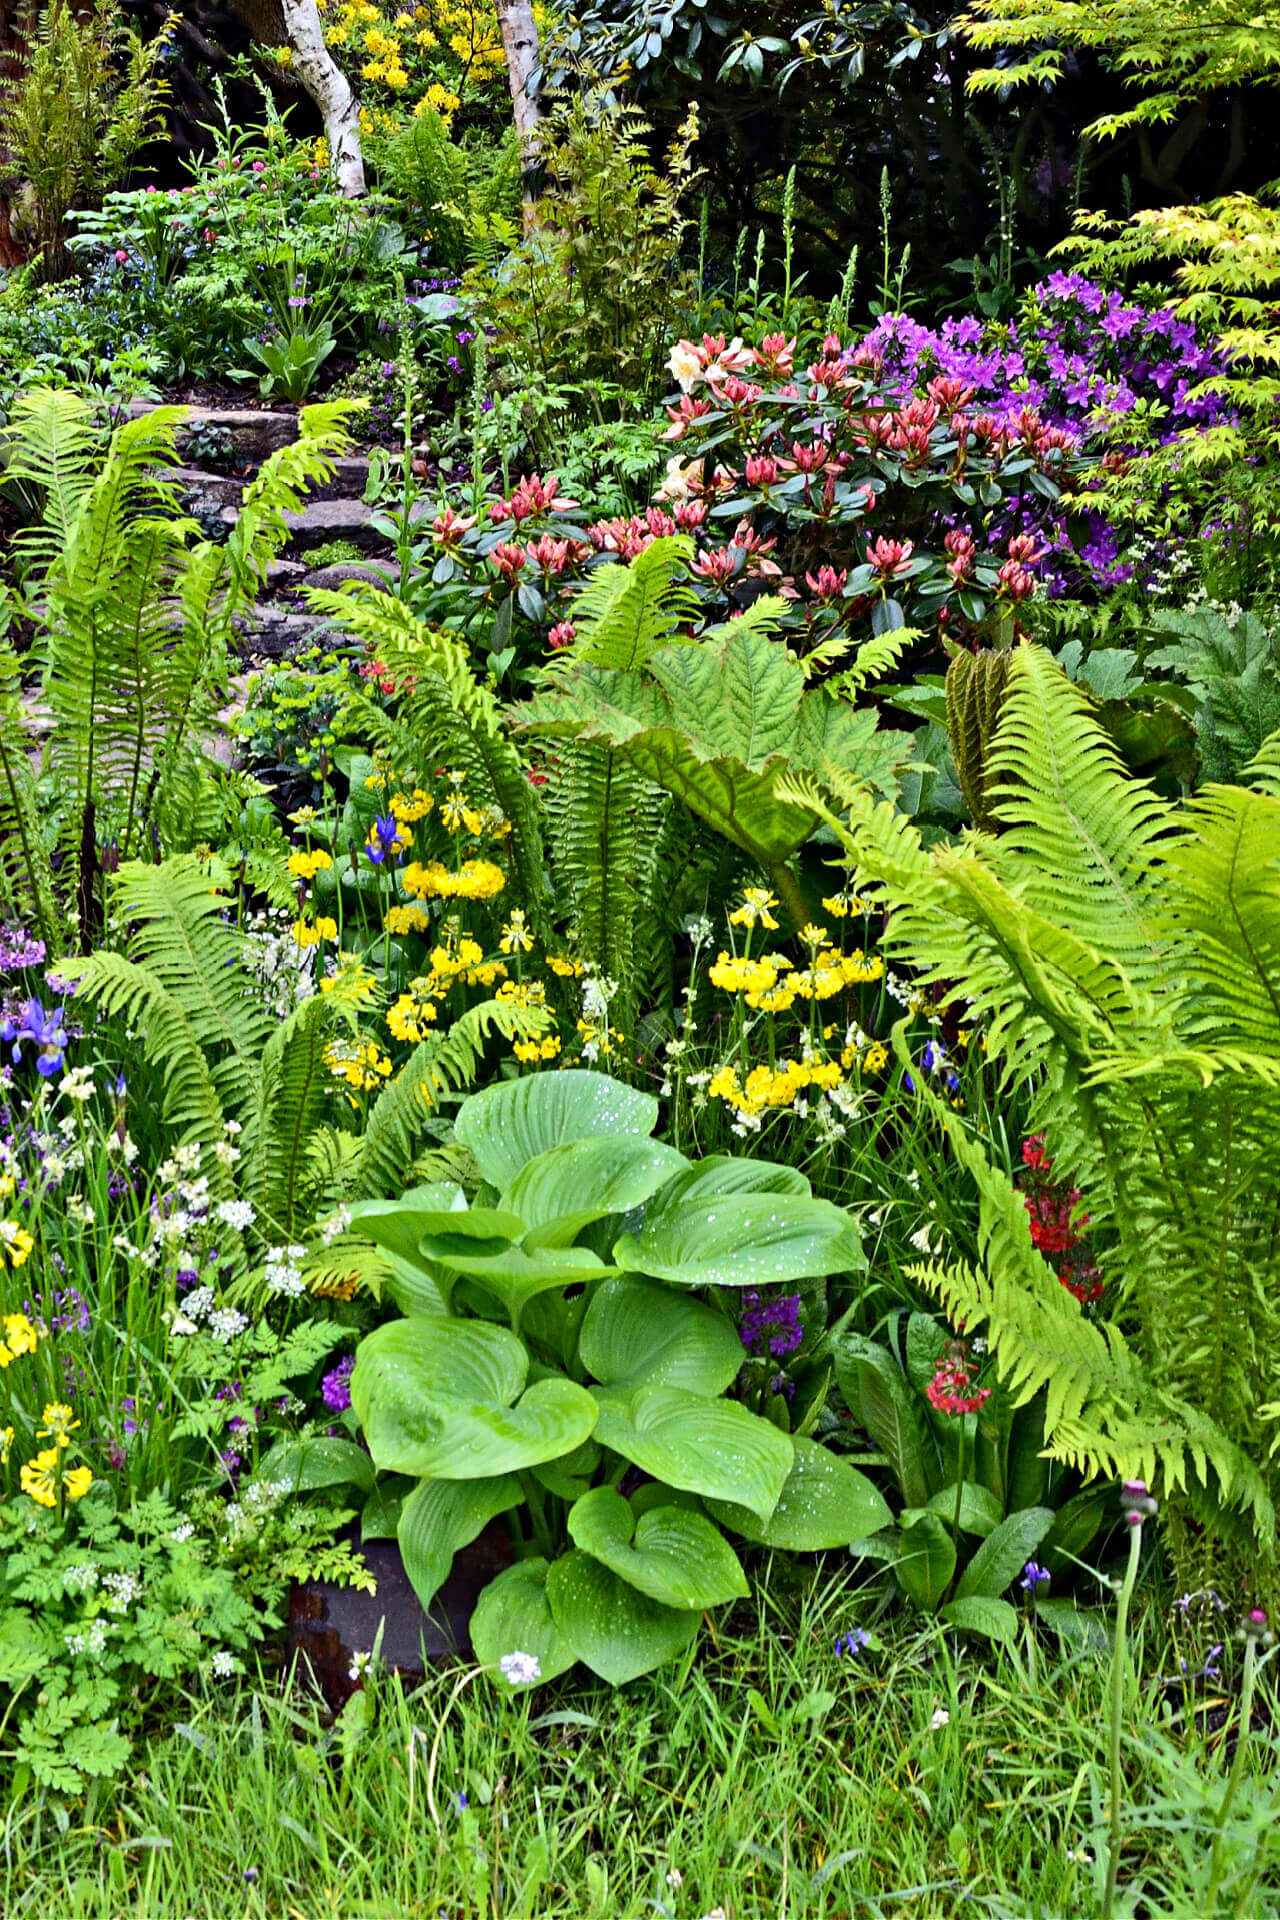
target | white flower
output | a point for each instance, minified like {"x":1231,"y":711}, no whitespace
{"x":79,"y":1210}
{"x":923,"y":1241}
{"x":335,"y":1225}
{"x":684,"y":363}
{"x":188,"y":1157}
{"x":281,"y":1275}
{"x":81,"y":1578}
{"x":232,"y":1128}
{"x":181,"y":1325}
{"x":223,"y":1664}
{"x":78,"y":1084}
{"x":716,"y":1913}
{"x":675,"y":1879}
{"x":123,"y":1588}
{"x":1080,"y":1856}
{"x":183,"y":1532}
{"x":225,"y":1323}
{"x":236,"y":1213}
{"x":941,"y":1718}
{"x":54,"y":1168}
{"x":198,"y":1302}
{"x":225,"y":1154}
{"x":682,"y":477}
{"x":520,"y":1669}
{"x":360,"y":1664}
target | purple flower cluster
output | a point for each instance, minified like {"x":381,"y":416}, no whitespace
{"x":335,"y":1388}
{"x":770,"y":1326}
{"x":19,"y":950}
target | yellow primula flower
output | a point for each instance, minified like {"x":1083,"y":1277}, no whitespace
{"x":564,"y":968}
{"x":19,"y":1337}
{"x":516,"y":937}
{"x":523,"y":993}
{"x":16,"y":1242}
{"x":6,"y":1445}
{"x":409,"y":808}
{"x":361,"y":1063}
{"x":529,"y":1051}
{"x":755,"y":910}
{"x":58,"y":1424}
{"x":38,"y":1478}
{"x":309,"y":933}
{"x":77,"y":1481}
{"x":307,"y":865}
{"x":413,"y":1013}
{"x":407,"y":920}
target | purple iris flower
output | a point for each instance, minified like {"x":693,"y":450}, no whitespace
{"x":46,"y":1033}
{"x":382,"y":839}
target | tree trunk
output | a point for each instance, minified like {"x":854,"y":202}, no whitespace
{"x":329,"y":87}
{"x":520,"y":44}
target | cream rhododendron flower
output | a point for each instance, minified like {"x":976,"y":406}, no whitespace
{"x":685,"y":365}
{"x":682,"y":478}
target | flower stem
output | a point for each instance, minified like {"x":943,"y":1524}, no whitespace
{"x":1119,"y":1661}
{"x":1237,"y":1769}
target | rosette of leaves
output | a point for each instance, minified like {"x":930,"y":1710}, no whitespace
{"x":979,"y":1496}
{"x":567,"y":1354}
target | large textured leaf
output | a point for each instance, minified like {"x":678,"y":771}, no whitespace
{"x":723,"y":1174}
{"x":616,"y":1631}
{"x":439,"y":1516}
{"x":394,"y":1224}
{"x":976,"y":1613}
{"x":712,"y":1447}
{"x":1004,"y":1553}
{"x":564,"y":1190}
{"x":516,"y":1120}
{"x":517,"y":1276}
{"x":638,"y":1331}
{"x":878,"y":1394}
{"x":304,"y":1466}
{"x":824,"y":1503}
{"x":724,"y":719}
{"x":434,"y":1397}
{"x":674,"y":1555}
{"x":512,"y":1616}
{"x":739,"y":1240}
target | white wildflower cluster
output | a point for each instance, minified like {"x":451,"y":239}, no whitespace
{"x":92,"y":1641}
{"x":223,"y":1664}
{"x":360,"y":1665}
{"x":80,"y":1578}
{"x":520,"y":1669}
{"x":244,"y":1517}
{"x":223,"y":1324}
{"x":282,"y":1274}
{"x":122,"y":1589}
{"x":184,"y":1531}
{"x":283,"y":971}
{"x":236,"y":1214}
{"x":335,"y":1226}
{"x":77,"y":1084}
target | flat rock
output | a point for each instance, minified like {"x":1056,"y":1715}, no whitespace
{"x":233,"y":436}
{"x":324,"y":520}
{"x":378,"y":575}
{"x":350,"y":477}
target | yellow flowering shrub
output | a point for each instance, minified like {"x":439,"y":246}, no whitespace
{"x":442,"y":54}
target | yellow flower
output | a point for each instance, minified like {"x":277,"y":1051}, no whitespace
{"x":413,"y":1013}
{"x":16,"y":1242}
{"x":407,"y":920}
{"x":755,"y":909}
{"x":362,"y":1064}
{"x":77,"y":1481}
{"x":523,"y":993}
{"x":474,"y":880}
{"x":19,"y":1337}
{"x":516,"y":937}
{"x":527,"y":1051}
{"x":37,"y":1478}
{"x":58,"y":1424}
{"x":836,"y":905}
{"x":564,"y":968}
{"x":376,"y":780}
{"x":875,"y":1059}
{"x":6,"y":1442}
{"x":307,"y":865}
{"x":309,"y":933}
{"x":410,"y":808}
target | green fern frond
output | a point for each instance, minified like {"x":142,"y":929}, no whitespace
{"x":625,"y":613}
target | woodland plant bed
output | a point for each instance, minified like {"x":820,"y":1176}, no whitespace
{"x":639,"y":967}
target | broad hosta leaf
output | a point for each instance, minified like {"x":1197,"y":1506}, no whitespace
{"x":739,"y":1239}
{"x":440,"y":1516}
{"x":305,"y":1465}
{"x":563,"y":1191}
{"x":824,"y":1503}
{"x":721,"y":1174}
{"x":434,"y":1398}
{"x":1004,"y":1553}
{"x":712,"y":1447}
{"x":393,"y":1224}
{"x":639,"y":1331}
{"x":994,"y":1619}
{"x":517,"y":1275}
{"x":925,"y":1561}
{"x":512,"y":1616}
{"x":613,"y":1629}
{"x":673,"y":1555}
{"x":879,"y":1396}
{"x":515,"y":1121}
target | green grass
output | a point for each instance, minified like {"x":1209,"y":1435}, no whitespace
{"x":774,"y":1778}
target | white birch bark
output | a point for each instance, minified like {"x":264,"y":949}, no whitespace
{"x":329,"y":87}
{"x":520,"y":44}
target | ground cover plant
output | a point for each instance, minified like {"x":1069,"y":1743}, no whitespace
{"x":638,"y":963}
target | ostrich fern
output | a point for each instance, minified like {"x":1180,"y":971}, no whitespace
{"x":1123,"y":957}
{"x":133,"y":614}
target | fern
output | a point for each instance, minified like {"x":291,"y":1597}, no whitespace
{"x":1125,"y":955}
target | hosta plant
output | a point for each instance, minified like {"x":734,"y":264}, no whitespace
{"x":566,"y":1356}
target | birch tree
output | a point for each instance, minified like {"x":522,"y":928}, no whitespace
{"x":329,"y":87}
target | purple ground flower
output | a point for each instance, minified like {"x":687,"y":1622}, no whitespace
{"x":335,"y":1389}
{"x":770,"y":1325}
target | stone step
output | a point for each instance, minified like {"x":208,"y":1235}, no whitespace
{"x":231,"y":436}
{"x":323,"y":520}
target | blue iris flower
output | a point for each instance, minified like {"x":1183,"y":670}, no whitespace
{"x":46,"y":1033}
{"x":382,"y":838}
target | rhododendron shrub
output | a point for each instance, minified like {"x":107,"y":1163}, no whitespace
{"x":912,"y":478}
